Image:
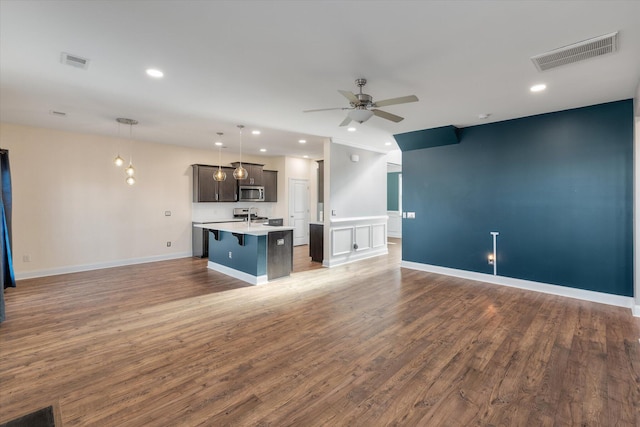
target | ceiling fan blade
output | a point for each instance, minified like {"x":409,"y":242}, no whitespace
{"x":394,"y":101}
{"x":346,"y":121}
{"x":388,"y":116}
{"x":349,"y":95}
{"x":325,"y":109}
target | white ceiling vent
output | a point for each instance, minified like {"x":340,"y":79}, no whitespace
{"x":74,"y":60}
{"x":580,"y":51}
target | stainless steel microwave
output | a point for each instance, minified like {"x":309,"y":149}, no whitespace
{"x":251,"y":193}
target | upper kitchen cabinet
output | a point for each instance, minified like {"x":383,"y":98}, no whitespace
{"x":255,"y":172}
{"x":227,"y":189}
{"x":206,"y":189}
{"x":270,"y":180}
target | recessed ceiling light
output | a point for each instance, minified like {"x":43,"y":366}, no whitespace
{"x":152,"y":72}
{"x":351,"y":129}
{"x":263,"y":150}
{"x":219,"y":144}
{"x":387,"y":143}
{"x":484,"y":115}
{"x":255,"y":132}
{"x":302,"y":141}
{"x":538,"y":88}
{"x":305,"y":156}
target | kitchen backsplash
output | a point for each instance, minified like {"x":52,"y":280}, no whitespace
{"x":203,"y":212}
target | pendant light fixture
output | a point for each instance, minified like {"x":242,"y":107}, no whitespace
{"x":240,"y":172}
{"x":118,"y":161}
{"x":130,"y":171}
{"x":219,"y":175}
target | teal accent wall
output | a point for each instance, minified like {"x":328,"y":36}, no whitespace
{"x":393,"y":191}
{"x":558,"y":188}
{"x":250,"y":258}
{"x":428,"y":138}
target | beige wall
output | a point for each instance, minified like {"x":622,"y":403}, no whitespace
{"x":72,"y":209}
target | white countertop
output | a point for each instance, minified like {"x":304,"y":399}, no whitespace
{"x":244,"y":228}
{"x":213,"y":221}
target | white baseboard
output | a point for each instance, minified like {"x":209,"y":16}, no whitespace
{"x":395,"y":235}
{"x":636,"y":310}
{"x":240,"y":275}
{"x":600,"y":297}
{"x":97,"y":266}
{"x":354,"y":256}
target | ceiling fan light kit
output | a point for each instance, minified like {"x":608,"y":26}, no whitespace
{"x":362,"y":107}
{"x":360,"y":115}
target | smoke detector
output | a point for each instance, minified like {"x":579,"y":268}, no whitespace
{"x":74,"y":60}
{"x":576,"y":52}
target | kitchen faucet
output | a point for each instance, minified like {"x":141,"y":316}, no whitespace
{"x":249,"y":215}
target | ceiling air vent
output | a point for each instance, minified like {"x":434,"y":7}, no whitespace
{"x":580,"y":51}
{"x":74,"y":61}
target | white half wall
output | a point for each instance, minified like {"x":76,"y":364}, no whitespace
{"x":355,"y":204}
{"x":356,"y":238}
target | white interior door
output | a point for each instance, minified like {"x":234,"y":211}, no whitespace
{"x":299,"y":210}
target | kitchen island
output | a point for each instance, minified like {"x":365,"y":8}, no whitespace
{"x":252,"y":252}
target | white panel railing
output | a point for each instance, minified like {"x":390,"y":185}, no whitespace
{"x":356,"y":238}
{"x":341,"y":240}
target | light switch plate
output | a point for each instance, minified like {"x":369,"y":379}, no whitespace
{"x":411,"y":215}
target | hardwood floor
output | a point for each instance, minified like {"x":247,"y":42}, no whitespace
{"x":364,"y":344}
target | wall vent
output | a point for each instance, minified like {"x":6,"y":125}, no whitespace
{"x":74,"y":60}
{"x":580,"y":51}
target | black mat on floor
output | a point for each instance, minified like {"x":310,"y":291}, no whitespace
{"x":40,"y":418}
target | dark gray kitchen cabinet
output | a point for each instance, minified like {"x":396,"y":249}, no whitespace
{"x":279,"y":254}
{"x":227,"y":189}
{"x":254,"y":171}
{"x":270,"y":182}
{"x":316,"y":242}
{"x":206,"y":189}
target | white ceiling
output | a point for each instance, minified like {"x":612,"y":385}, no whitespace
{"x":261,"y":63}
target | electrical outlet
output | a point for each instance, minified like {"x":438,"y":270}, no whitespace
{"x":230,"y":256}
{"x":167,"y":213}
{"x":168,"y":244}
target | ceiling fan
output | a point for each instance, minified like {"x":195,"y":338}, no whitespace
{"x":362,"y":106}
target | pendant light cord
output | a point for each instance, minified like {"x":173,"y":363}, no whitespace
{"x":130,"y":144}
{"x":240,"y":126}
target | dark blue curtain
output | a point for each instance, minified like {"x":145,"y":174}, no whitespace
{"x":7,"y":275}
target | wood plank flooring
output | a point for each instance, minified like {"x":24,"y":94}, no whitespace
{"x":365,"y":344}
